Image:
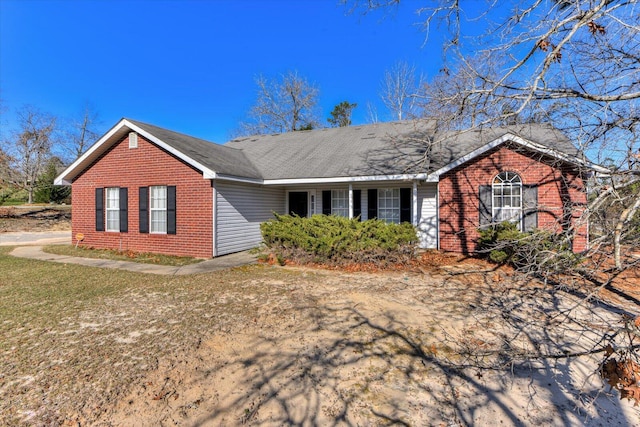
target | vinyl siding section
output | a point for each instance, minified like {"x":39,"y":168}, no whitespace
{"x":428,"y":216}
{"x":239,"y":210}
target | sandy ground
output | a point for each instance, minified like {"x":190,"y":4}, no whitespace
{"x":386,"y":350}
{"x":270,"y":346}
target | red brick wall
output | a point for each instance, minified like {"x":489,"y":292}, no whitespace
{"x":145,"y":166}
{"x":558,"y":186}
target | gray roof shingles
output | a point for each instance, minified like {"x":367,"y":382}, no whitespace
{"x":365,"y":150}
{"x":219,"y":158}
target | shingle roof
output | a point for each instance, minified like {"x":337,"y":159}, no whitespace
{"x":219,"y":158}
{"x":380,"y":149}
{"x":377,"y":149}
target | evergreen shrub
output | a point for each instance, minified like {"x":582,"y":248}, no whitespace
{"x":335,"y":240}
{"x":540,"y":250}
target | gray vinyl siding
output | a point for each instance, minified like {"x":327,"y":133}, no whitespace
{"x":239,"y":210}
{"x":428,"y":216}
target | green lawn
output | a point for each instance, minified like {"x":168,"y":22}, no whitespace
{"x":76,"y":337}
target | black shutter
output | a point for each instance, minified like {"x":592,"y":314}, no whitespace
{"x":143,"y":217}
{"x":372,"y":203}
{"x":405,"y":205}
{"x":124,"y":210}
{"x":529,"y":207}
{"x":484,"y":206}
{"x":171,"y":209}
{"x":326,"y":202}
{"x":99,"y":209}
{"x":357,"y":204}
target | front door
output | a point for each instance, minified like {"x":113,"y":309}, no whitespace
{"x":298,"y":203}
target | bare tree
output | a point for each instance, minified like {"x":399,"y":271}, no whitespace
{"x":372,"y":113}
{"x":81,"y":132}
{"x":573,"y":64}
{"x":285,"y":105}
{"x":400,"y":90}
{"x":32,"y":147}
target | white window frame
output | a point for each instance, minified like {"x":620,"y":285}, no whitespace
{"x":157,"y":209}
{"x":506,"y":198}
{"x":340,"y":203}
{"x":112,"y":209}
{"x":389,"y":205}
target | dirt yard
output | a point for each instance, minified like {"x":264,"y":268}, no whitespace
{"x":447,"y":344}
{"x":35,"y":218}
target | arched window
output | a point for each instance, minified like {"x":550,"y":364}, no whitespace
{"x":507,"y":198}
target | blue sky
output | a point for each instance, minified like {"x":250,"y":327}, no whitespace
{"x":190,"y":65}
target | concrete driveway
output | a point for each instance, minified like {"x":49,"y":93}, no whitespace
{"x":39,"y":238}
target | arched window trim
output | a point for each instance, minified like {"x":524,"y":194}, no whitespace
{"x":506,"y":195}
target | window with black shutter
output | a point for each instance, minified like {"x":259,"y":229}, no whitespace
{"x":143,"y":209}
{"x":357,"y":204}
{"x":124,"y":210}
{"x":372,"y":203}
{"x":99,"y":199}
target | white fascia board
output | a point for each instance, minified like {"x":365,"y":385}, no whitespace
{"x":343,"y":179}
{"x":435,"y":176}
{"x":93,"y":152}
{"x":238,"y":179}
{"x":206,"y":172}
{"x":61,"y":179}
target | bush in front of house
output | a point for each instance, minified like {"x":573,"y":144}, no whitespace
{"x":335,"y":240}
{"x":541,"y":251}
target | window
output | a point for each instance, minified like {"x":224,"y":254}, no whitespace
{"x":158,"y":209}
{"x":340,"y":202}
{"x":113,"y":209}
{"x":506,"y":192}
{"x":389,"y":205}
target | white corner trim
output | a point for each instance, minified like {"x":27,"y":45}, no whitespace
{"x":350,"y":201}
{"x":414,"y":204}
{"x":214,"y":223}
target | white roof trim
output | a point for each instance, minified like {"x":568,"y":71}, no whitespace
{"x":340,"y":179}
{"x":206,"y":172}
{"x":238,"y":179}
{"x":435,"y":176}
{"x":61,"y":179}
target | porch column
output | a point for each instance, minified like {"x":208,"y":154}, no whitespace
{"x":350,"y":201}
{"x":414,"y":204}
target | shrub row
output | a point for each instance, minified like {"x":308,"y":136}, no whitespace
{"x":335,"y":240}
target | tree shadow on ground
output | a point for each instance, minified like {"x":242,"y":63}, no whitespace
{"x":348,"y":363}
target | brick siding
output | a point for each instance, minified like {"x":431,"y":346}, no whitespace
{"x":561,"y":196}
{"x":145,"y":166}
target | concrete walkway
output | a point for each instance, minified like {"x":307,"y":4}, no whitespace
{"x":39,"y":238}
{"x":219,"y":263}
